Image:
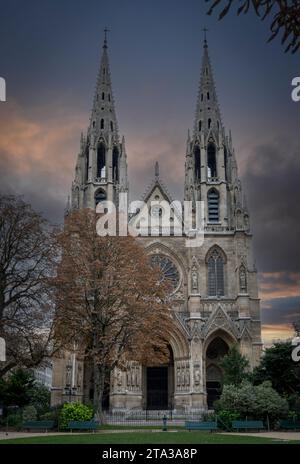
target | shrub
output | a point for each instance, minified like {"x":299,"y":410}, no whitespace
{"x":29,"y":413}
{"x":14,"y":420}
{"x":52,"y":414}
{"x":256,"y":402}
{"x":226,"y":417}
{"x":74,"y":412}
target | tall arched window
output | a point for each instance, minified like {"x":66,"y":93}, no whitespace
{"x":115,"y":164}
{"x":103,"y":95}
{"x":226,"y":162}
{"x":211,"y":161}
{"x":197,"y":159}
{"x":215,"y":273}
{"x":87,"y":162}
{"x":102,"y":124}
{"x":101,"y":162}
{"x":111,"y":126}
{"x":100,"y":195}
{"x":200,"y":125}
{"x":213,"y":205}
{"x":209,"y":123}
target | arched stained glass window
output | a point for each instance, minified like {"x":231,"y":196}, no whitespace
{"x":215,"y":272}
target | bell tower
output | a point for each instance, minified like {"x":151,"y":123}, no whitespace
{"x":210,"y":164}
{"x":101,"y":168}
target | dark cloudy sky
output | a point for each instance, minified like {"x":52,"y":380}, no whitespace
{"x":49,"y":56}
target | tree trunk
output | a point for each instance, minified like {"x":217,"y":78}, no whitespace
{"x":99,"y":376}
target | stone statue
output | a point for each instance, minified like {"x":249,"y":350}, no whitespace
{"x":119,"y":378}
{"x":128,"y":376}
{"x":194,"y":280}
{"x":187,"y":376}
{"x":68,"y":373}
{"x":243,"y":280}
{"x":178,"y":376}
{"x":197,"y":376}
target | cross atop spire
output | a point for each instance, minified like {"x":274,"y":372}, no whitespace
{"x":105,"y":37}
{"x":205,"y":30}
{"x":156,"y":170}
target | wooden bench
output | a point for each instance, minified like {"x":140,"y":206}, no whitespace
{"x":192,"y":425}
{"x":39,"y":425}
{"x":248,"y":425}
{"x":290,"y":425}
{"x":83,"y":425}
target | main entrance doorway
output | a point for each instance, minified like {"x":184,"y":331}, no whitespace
{"x":159,"y":385}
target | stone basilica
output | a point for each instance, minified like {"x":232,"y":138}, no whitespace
{"x":215,"y":296}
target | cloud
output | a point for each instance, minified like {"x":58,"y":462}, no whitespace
{"x":279,"y":284}
{"x":271,"y":174}
{"x":38,"y":153}
{"x":273,"y":332}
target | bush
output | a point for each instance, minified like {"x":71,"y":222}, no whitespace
{"x":74,"y":412}
{"x":53,"y":414}
{"x":254,"y":402}
{"x":29,"y":413}
{"x":226,"y":417}
{"x":14,"y":420}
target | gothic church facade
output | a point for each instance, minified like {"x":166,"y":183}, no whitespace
{"x":215,"y":300}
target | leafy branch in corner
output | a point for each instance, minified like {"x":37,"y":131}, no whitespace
{"x":285,"y":19}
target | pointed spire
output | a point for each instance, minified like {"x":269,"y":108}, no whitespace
{"x":103,"y":118}
{"x":156,"y":170}
{"x":208,"y":115}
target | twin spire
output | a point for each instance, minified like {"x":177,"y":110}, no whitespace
{"x":103,"y":118}
{"x":208,"y":115}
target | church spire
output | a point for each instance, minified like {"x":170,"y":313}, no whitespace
{"x":208,"y":115}
{"x":103,"y":121}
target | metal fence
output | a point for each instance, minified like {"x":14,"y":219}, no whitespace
{"x":151,"y":417}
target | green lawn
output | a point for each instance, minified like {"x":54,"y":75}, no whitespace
{"x":176,"y":437}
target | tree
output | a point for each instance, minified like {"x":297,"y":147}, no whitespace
{"x":247,"y":400}
{"x":285,"y":19}
{"x":235,"y":367}
{"x":28,"y":255}
{"x":15,"y":390}
{"x":278,"y":367}
{"x":110,"y":300}
{"x":19,"y":388}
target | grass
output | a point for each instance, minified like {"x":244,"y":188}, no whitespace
{"x":176,"y":437}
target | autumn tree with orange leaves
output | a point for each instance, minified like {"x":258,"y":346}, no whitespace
{"x":109,"y":300}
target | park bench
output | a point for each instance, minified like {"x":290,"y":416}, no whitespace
{"x":248,"y":425}
{"x":83,"y":425}
{"x":290,"y":425}
{"x":39,"y":425}
{"x":192,"y":425}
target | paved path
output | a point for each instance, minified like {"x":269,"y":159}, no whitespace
{"x":274,"y":435}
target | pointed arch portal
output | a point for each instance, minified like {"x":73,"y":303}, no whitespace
{"x":215,"y":352}
{"x":159,"y":385}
